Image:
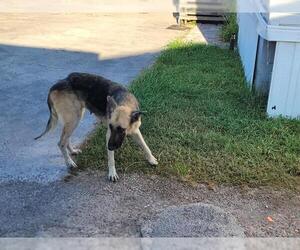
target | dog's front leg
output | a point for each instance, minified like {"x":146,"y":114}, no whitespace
{"x":137,"y":136}
{"x":112,"y":173}
{"x":72,"y":150}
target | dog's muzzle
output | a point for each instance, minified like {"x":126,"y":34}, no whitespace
{"x":114,"y":146}
{"x":116,"y":140}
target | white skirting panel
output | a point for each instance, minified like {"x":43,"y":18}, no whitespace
{"x":284,"y":96}
{"x":247,"y":43}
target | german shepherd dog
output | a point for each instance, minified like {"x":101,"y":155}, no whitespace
{"x":112,"y":103}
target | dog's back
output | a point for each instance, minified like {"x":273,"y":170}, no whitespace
{"x":83,"y":90}
{"x":93,"y":90}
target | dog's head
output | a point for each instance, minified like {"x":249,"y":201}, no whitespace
{"x":121,"y":122}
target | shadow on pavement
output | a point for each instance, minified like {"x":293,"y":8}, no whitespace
{"x":27,"y":73}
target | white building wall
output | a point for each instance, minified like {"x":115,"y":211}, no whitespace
{"x":247,"y":43}
{"x":284,"y":97}
{"x":282,"y":12}
{"x":284,"y":94}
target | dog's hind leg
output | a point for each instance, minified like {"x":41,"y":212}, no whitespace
{"x":63,"y":144}
{"x":112,"y":173}
{"x":138,"y":138}
{"x":69,"y":110}
{"x":72,"y":150}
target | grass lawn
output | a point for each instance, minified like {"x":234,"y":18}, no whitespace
{"x":204,"y":125}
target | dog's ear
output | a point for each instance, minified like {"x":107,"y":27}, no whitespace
{"x":111,"y":104}
{"x":135,"y":115}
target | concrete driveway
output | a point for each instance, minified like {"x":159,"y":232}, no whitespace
{"x":38,"y":49}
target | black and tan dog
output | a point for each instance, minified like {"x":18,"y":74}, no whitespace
{"x":110,"y":102}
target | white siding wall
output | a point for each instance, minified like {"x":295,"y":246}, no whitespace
{"x":247,"y":43}
{"x":284,"y":97}
{"x":284,"y":94}
{"x":282,"y":12}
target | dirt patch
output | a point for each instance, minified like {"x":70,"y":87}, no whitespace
{"x":89,"y":205}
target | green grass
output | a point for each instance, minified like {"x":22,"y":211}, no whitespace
{"x":204,"y":125}
{"x":229,"y":28}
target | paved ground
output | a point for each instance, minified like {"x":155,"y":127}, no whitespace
{"x":89,"y":205}
{"x":32,"y":57}
{"x":38,"y":49}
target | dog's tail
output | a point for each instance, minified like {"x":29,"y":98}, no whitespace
{"x":52,"y":119}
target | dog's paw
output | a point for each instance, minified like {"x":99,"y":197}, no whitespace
{"x":152,"y":160}
{"x":76,"y":151}
{"x":112,"y":174}
{"x":113,"y":177}
{"x":71,"y":164}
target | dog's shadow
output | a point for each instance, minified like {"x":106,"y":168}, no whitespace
{"x":73,"y":172}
